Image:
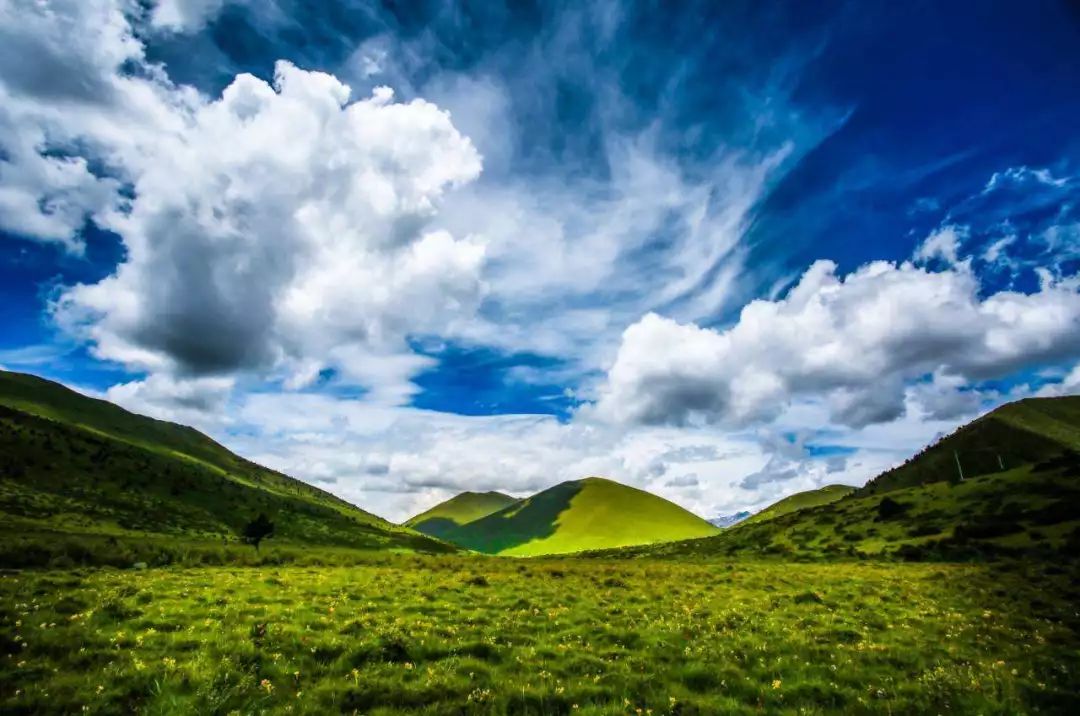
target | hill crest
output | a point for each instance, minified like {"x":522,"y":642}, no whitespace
{"x":75,"y":464}
{"x":589,"y":513}
{"x":461,"y":509}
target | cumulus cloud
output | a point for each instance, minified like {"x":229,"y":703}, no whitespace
{"x":198,"y":401}
{"x":400,"y":460}
{"x":280,"y":226}
{"x":854,"y":341}
{"x":285,"y":224}
{"x":948,"y":397}
{"x":57,"y":58}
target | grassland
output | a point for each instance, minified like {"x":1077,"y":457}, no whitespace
{"x":593,"y":513}
{"x":149,"y":603}
{"x":454,"y":635}
{"x":800,"y":501}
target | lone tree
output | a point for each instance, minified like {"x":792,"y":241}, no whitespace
{"x":257,"y":530}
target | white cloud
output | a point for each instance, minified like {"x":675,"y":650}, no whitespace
{"x":278,"y":227}
{"x":1021,"y":175}
{"x":943,"y":244}
{"x":200,"y":402}
{"x":281,"y":229}
{"x":398,"y":461}
{"x":285,"y":226}
{"x":55,"y":57}
{"x":854,"y":340}
{"x":1069,"y":384}
{"x":183,"y":15}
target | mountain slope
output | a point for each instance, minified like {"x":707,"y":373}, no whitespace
{"x":1013,"y":435}
{"x":802,"y":500}
{"x":73,"y":464}
{"x":593,"y":513}
{"x":922,"y":510}
{"x":445,"y":517}
{"x":46,"y":399}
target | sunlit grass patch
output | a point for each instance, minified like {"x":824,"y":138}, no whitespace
{"x":422,"y":635}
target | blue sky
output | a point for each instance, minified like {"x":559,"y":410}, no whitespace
{"x":721,"y":251}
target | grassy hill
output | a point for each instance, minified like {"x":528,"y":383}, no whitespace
{"x":802,"y":500}
{"x":922,"y":510}
{"x":1014,"y":435}
{"x":593,"y":513}
{"x":73,"y":466}
{"x":445,"y":517}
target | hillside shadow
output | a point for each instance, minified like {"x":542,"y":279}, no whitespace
{"x":526,"y":521}
{"x":441,"y":527}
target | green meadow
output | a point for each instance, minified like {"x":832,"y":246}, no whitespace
{"x":480,"y":635}
{"x":130,"y":583}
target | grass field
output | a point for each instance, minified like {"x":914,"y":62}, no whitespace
{"x":125,"y":586}
{"x":454,"y":635}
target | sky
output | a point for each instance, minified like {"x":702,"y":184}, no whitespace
{"x":721,"y":251}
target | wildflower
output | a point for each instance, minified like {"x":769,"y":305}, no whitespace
{"x":776,"y":683}
{"x":266,"y":685}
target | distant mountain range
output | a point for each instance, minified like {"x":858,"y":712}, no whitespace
{"x":729,"y":520}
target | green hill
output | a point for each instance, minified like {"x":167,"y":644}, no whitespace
{"x":801,"y":500}
{"x":74,"y":465}
{"x":1014,"y":435}
{"x":923,"y":510}
{"x":593,"y":513}
{"x":445,"y":517}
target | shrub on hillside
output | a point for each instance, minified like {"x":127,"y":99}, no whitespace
{"x":889,"y":509}
{"x":988,"y":530}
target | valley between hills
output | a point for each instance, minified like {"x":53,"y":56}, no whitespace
{"x":135,"y":578}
